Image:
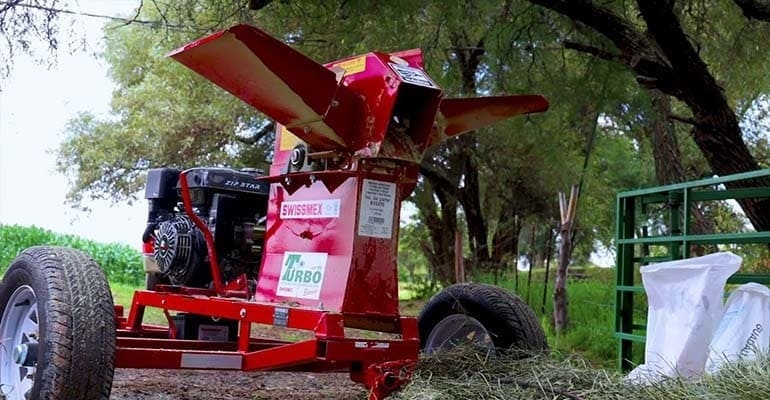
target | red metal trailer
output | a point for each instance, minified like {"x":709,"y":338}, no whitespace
{"x":311,"y":245}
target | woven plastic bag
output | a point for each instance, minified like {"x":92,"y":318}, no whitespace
{"x":744,"y":330}
{"x":684,"y":308}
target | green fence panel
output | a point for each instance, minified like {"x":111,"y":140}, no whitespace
{"x":655,"y":225}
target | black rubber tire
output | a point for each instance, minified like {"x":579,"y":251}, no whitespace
{"x":511,"y":323}
{"x":76,"y":322}
{"x":152,"y":279}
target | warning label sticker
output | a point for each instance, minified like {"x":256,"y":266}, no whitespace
{"x":353,"y":66}
{"x":411,"y":75}
{"x":378,"y":200}
{"x":310,"y":209}
{"x":288,"y":140}
{"x":302,"y":275}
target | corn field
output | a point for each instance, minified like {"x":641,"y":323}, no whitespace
{"x":120,"y":262}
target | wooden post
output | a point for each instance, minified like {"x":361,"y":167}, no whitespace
{"x":549,"y":250}
{"x":497,"y":272}
{"x":459,"y":265}
{"x":531,"y":261}
{"x":560,"y":300}
{"x":516,"y":255}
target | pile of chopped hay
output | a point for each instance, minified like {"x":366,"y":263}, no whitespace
{"x":464,"y":374}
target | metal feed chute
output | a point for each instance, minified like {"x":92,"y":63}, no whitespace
{"x":373,"y":105}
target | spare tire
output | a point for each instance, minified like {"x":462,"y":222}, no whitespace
{"x":57,"y":327}
{"x":484,"y":315}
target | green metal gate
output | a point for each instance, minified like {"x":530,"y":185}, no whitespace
{"x":654,"y":225}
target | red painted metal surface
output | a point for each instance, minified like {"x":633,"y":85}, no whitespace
{"x":458,"y":116}
{"x":330,"y":246}
{"x":384,"y":378}
{"x":349,"y":104}
{"x":141,"y":346}
{"x":249,"y":63}
{"x":380,"y":86}
{"x":355,"y":265}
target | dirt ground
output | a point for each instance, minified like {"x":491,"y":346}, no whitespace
{"x":143,"y":384}
{"x":148,"y":384}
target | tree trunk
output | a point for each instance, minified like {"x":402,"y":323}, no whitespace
{"x":471,"y":200}
{"x":468,"y":55}
{"x":668,"y":160}
{"x":716,"y":131}
{"x":454,"y":179}
{"x":440,"y":251}
{"x":663,"y":58}
{"x":560,"y":300}
{"x":662,"y":135}
{"x":506,"y":238}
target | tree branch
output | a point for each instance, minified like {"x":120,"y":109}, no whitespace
{"x":637,"y":51}
{"x":438,"y":179}
{"x":593,"y":50}
{"x":53,"y":10}
{"x":136,"y":16}
{"x":9,"y":5}
{"x":697,"y":83}
{"x":682,"y":119}
{"x":261,"y":133}
{"x":614,"y":27}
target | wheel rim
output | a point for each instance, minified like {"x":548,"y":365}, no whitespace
{"x":19,"y":327}
{"x":458,"y":330}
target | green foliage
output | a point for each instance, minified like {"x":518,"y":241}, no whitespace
{"x":415,"y":278}
{"x":123,"y":294}
{"x":164,"y":115}
{"x":121,"y":263}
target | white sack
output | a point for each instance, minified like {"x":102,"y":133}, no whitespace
{"x":685,"y":306}
{"x":743,"y":331}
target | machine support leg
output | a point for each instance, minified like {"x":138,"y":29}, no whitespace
{"x":383,"y":379}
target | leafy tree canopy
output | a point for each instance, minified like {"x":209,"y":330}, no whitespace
{"x":622,"y":91}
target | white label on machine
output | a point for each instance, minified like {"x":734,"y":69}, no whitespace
{"x":310,"y":209}
{"x":214,"y":333}
{"x":371,"y":345}
{"x":415,"y":76}
{"x":302,"y":275}
{"x":375,"y":218}
{"x":211,"y":361}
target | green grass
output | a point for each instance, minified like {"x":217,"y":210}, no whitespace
{"x":123,"y":294}
{"x":121,"y":263}
{"x":591,"y":311}
{"x":464,"y":374}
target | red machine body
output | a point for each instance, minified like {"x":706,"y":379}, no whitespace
{"x":349,"y":139}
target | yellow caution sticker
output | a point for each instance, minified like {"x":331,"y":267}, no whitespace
{"x":353,"y":66}
{"x":287,"y":139}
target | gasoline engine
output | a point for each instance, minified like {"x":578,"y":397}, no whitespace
{"x":231,"y":203}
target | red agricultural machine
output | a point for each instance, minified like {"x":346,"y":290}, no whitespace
{"x":310,"y":246}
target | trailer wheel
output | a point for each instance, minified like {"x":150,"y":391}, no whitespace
{"x":480,"y":315}
{"x":57,"y":333}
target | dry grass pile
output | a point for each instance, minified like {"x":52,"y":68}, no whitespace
{"x":465,"y":374}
